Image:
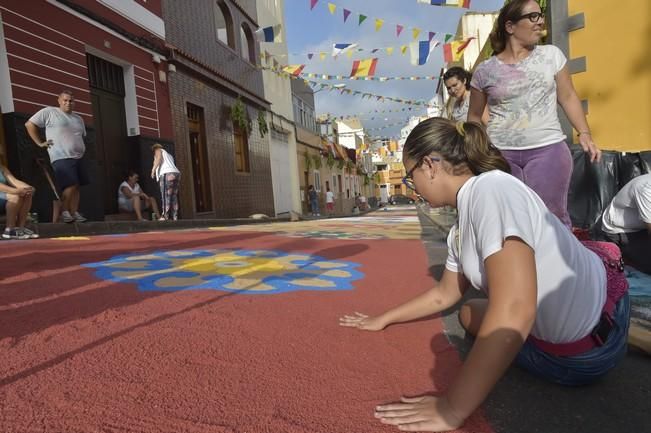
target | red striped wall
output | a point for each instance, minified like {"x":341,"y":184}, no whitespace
{"x":46,"y":52}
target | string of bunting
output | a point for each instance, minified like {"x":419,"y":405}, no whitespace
{"x":291,"y":69}
{"x":380,"y":22}
{"x":344,"y":91}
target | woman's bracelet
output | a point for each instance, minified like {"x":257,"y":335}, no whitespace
{"x":584,"y":133}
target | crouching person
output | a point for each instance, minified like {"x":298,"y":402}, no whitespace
{"x":555,"y":307}
{"x":132,"y":199}
{"x":16,"y":201}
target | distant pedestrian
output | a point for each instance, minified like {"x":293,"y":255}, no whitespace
{"x":627,"y":222}
{"x":15,"y":201}
{"x":522,"y":83}
{"x":64,"y":132}
{"x":313,"y":196}
{"x":168,"y":177}
{"x":330,"y":201}
{"x":131,"y":198}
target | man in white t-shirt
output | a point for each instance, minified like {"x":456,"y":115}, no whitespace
{"x":64,"y":133}
{"x":627,"y":222}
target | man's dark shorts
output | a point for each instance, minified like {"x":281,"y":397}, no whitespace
{"x":69,"y":172}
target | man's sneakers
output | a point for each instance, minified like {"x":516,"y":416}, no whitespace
{"x":66,"y":217}
{"x":79,"y":218}
{"x":76,"y":218}
{"x":15,"y":233}
{"x":30,"y":234}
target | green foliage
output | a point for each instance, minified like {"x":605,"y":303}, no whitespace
{"x":341,"y":164}
{"x":330,"y":161}
{"x":262,"y":124}
{"x":367,"y":180}
{"x":308,"y":162}
{"x":240,"y":117}
{"x":317,"y":161}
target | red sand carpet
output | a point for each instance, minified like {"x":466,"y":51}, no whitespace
{"x":226,"y":330}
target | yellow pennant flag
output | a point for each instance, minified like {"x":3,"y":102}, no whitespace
{"x":332,"y":8}
{"x":378,"y":24}
{"x":389,"y":50}
{"x":322,"y":56}
{"x":403,"y":49}
{"x":364,"y":68}
{"x":415,"y":32}
{"x":349,"y":53}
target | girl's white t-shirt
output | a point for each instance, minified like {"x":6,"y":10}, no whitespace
{"x":571,"y":279}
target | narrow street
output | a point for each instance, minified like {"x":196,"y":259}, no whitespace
{"x":235,"y":329}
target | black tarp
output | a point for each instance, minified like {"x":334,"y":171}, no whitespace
{"x":594,"y":185}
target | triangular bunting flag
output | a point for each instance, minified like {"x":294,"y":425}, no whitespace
{"x":431,"y":35}
{"x":342,"y":48}
{"x":294,"y":70}
{"x":452,"y":51}
{"x":269,"y":34}
{"x":403,"y":49}
{"x":309,"y":56}
{"x":420,"y":52}
{"x":389,"y":50}
{"x":322,"y":56}
{"x":364,"y":68}
{"x":313,"y":3}
{"x":399,"y":29}
{"x":448,"y":37}
{"x":378,"y":24}
{"x":346,"y":14}
{"x":415,"y":32}
{"x":332,"y":8}
{"x":361,"y":19}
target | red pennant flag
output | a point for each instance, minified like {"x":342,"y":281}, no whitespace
{"x":313,"y":3}
{"x":398,"y":29}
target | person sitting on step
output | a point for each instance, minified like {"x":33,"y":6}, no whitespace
{"x":16,"y":201}
{"x":132,"y":199}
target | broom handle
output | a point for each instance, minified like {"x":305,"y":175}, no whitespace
{"x":49,"y":179}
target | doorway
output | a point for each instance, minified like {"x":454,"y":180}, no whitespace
{"x":199,"y":155}
{"x":112,"y":151}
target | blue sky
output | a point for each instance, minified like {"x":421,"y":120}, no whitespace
{"x":315,"y":31}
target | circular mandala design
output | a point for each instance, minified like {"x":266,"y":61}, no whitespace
{"x":242,"y":271}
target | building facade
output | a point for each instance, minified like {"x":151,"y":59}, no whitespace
{"x":111,"y":54}
{"x":277,"y":88}
{"x":217,"y":94}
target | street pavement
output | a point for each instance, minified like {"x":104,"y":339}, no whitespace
{"x":234,"y":329}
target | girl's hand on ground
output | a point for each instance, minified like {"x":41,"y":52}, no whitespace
{"x":424,"y":413}
{"x":362,"y":321}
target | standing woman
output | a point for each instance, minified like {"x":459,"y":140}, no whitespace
{"x":457,"y":82}
{"x":521,"y":84}
{"x":168,"y":177}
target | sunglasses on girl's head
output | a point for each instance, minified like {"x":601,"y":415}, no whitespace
{"x":534,"y":17}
